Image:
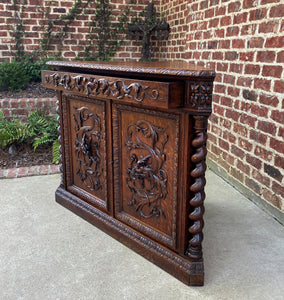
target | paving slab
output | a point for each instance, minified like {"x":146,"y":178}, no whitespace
{"x":47,"y":252}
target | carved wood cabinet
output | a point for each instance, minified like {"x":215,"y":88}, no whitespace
{"x":133,"y":147}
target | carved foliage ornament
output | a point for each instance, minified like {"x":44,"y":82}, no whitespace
{"x":87,"y":147}
{"x":146,"y":178}
{"x":103,"y":87}
{"x":201,"y":94}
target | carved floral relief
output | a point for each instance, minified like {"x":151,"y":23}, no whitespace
{"x":146,"y":178}
{"x":87,"y":147}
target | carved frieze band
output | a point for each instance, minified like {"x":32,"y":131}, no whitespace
{"x":200,"y":95}
{"x":106,"y":87}
{"x":146,"y":178}
{"x":194,"y":249}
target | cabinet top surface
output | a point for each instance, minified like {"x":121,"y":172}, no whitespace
{"x":179,"y":69}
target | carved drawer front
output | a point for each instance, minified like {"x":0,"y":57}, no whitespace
{"x":86,"y":166}
{"x":145,"y":171}
{"x":140,"y":92}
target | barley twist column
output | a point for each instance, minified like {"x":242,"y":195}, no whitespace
{"x":194,"y":249}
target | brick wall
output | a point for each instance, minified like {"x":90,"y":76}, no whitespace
{"x":22,"y":107}
{"x":76,"y":36}
{"x":243,"y":41}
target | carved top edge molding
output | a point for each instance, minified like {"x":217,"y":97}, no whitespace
{"x":165,"y":68}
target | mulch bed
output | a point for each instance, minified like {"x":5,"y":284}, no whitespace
{"x":23,"y":155}
{"x":32,"y":90}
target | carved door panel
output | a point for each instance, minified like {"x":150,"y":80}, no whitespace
{"x":146,"y":170}
{"x":86,"y":167}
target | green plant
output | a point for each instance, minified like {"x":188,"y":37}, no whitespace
{"x":40,"y":129}
{"x":12,"y":76}
{"x":105,"y":36}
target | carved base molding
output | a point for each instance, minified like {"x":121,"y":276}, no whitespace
{"x":189,"y":272}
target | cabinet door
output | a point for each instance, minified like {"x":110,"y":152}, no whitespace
{"x":85,"y":147}
{"x":146,"y":170}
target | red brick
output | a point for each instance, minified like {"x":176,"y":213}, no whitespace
{"x":255,"y":42}
{"x":263,"y":84}
{"x":278,"y":116}
{"x":255,"y":162}
{"x":260,"y":111}
{"x":252,"y":69}
{"x":263,"y":153}
{"x":240,"y":129}
{"x":244,"y":81}
{"x":34,"y":170}
{"x":244,"y":144}
{"x":224,"y":122}
{"x":277,"y":11}
{"x":225,"y":21}
{"x":229,"y":137}
{"x":249,"y":3}
{"x":224,"y":145}
{"x":246,"y":119}
{"x":280,"y":57}
{"x":220,"y":11}
{"x":231,"y":114}
{"x":275,"y":42}
{"x":279,"y":86}
{"x":249,"y":29}
{"x":237,"y":174}
{"x":238,"y":43}
{"x":277,"y":145}
{"x":257,"y":14}
{"x":266,"y":127}
{"x":218,"y":110}
{"x":240,"y":18}
{"x":243,"y":167}
{"x":272,"y":71}
{"x":247,"y":56}
{"x":233,"y":91}
{"x":278,"y":161}
{"x":271,"y":198}
{"x":224,"y":44}
{"x":23,"y":172}
{"x":232,"y":31}
{"x":234,"y":6}
{"x":226,"y":101}
{"x":278,"y":189}
{"x":237,"y":151}
{"x":267,"y":27}
{"x":265,"y":180}
{"x":229,"y":79}
{"x":265,"y":56}
{"x":219,"y":88}
{"x":270,"y":100}
{"x":12,"y":173}
{"x":217,"y":55}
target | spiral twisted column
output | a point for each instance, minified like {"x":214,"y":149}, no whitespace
{"x":60,"y":141}
{"x":194,"y":249}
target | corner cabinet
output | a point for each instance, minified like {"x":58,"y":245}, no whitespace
{"x":133,"y":148}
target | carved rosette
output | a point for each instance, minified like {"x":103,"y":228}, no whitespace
{"x":118,"y":89}
{"x":87,"y":147}
{"x":146,"y":178}
{"x":194,"y":249}
{"x":200,"y":95}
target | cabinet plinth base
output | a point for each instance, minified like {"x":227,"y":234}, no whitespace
{"x":189,"y":272}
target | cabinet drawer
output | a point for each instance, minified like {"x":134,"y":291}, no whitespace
{"x":140,"y":92}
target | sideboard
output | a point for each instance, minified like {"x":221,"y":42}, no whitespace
{"x":133,"y":147}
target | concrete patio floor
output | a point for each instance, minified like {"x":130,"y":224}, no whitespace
{"x":47,"y":252}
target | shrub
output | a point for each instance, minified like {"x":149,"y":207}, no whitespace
{"x":12,"y":76}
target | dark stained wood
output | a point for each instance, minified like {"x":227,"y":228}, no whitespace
{"x":133,"y":148}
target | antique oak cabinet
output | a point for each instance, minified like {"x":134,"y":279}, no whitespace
{"x":133,"y":148}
